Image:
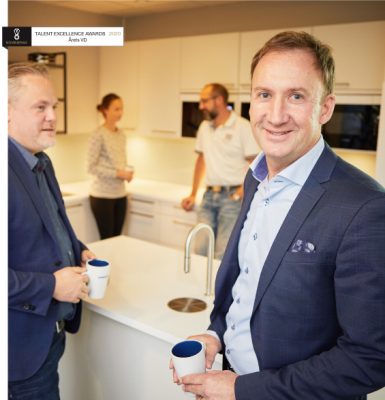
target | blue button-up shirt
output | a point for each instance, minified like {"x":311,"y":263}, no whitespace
{"x":269,"y":208}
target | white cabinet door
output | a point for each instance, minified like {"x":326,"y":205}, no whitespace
{"x":82,"y":88}
{"x":250,"y":43}
{"x":359,"y":53}
{"x":119,"y":73}
{"x":76,"y":215}
{"x":143,"y":220}
{"x":175,"y":224}
{"x":210,"y":58}
{"x":159,"y":103}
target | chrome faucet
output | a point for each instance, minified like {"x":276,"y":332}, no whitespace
{"x":210,"y":255}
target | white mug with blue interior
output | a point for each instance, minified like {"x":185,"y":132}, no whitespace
{"x":189,"y":357}
{"x":98,"y":272}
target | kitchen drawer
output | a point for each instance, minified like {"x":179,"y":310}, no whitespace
{"x":143,"y":225}
{"x":174,"y":231}
{"x":142,"y":204}
{"x":176,"y":210}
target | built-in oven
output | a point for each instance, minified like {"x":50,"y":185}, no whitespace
{"x":192,"y":116}
{"x":354,"y":124}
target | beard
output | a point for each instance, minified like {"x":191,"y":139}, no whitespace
{"x":209,"y":115}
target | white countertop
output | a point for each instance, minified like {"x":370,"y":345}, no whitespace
{"x":144,"y":278}
{"x":165,"y":191}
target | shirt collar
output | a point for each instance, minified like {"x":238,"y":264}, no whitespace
{"x":296,"y":172}
{"x":30,"y":159}
{"x":229,"y":122}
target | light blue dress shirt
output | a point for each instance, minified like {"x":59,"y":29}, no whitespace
{"x":269,"y":207}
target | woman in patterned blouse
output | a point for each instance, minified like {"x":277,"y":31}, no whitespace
{"x":108,"y":165}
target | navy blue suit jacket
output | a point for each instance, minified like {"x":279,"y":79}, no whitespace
{"x":33,"y":257}
{"x":318,"y":322}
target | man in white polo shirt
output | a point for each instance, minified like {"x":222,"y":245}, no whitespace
{"x":225,"y":147}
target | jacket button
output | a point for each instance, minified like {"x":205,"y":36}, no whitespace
{"x":58,"y":263}
{"x":29,"y":307}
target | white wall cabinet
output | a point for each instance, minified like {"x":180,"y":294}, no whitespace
{"x":209,"y":58}
{"x":159,"y":87}
{"x":250,"y":43}
{"x":119,"y":73}
{"x":359,"y":53}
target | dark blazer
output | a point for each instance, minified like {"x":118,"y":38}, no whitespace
{"x":33,"y":256}
{"x":318,"y":323}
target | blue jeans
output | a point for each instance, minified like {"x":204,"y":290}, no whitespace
{"x":44,"y":384}
{"x":220,"y":212}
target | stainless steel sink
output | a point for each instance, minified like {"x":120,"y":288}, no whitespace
{"x":187,"y":304}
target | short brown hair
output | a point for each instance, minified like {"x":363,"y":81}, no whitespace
{"x":20,"y":69}
{"x":290,"y":40}
{"x":219,"y":90}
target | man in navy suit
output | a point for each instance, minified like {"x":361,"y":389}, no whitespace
{"x":299,"y":310}
{"x":46,"y":261}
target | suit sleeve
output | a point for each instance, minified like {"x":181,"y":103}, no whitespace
{"x":30,"y":292}
{"x":355,"y":365}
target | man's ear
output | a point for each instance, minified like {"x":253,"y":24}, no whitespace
{"x":327,"y":108}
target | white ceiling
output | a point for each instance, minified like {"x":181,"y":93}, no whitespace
{"x":131,"y":8}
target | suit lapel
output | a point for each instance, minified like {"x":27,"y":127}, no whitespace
{"x":28,"y":180}
{"x":302,"y":206}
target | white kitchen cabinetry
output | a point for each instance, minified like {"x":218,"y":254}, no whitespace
{"x":175,"y":224}
{"x":359,"y":53}
{"x":77,"y":216}
{"x":158,"y":221}
{"x":119,"y":73}
{"x":250,"y":43}
{"x":159,"y":84}
{"x":82,"y":220}
{"x":143,"y":220}
{"x":209,"y":58}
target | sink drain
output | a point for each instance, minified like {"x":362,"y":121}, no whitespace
{"x":187,"y":305}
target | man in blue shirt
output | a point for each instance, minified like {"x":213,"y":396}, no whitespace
{"x":46,"y":261}
{"x":299,"y":305}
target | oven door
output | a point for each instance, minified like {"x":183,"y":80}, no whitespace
{"x":354,"y":123}
{"x":192,"y":116}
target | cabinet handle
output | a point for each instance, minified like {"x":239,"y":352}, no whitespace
{"x":163,"y":131}
{"x":141,"y":214}
{"x":182,"y":223}
{"x":74,"y":205}
{"x":142,"y":201}
{"x":342,"y":84}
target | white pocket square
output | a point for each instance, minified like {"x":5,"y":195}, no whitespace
{"x":302,"y":246}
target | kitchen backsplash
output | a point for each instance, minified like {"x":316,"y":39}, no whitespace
{"x":160,"y":159}
{"x":156,"y":158}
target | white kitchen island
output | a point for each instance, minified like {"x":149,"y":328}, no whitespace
{"x":122,"y":350}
